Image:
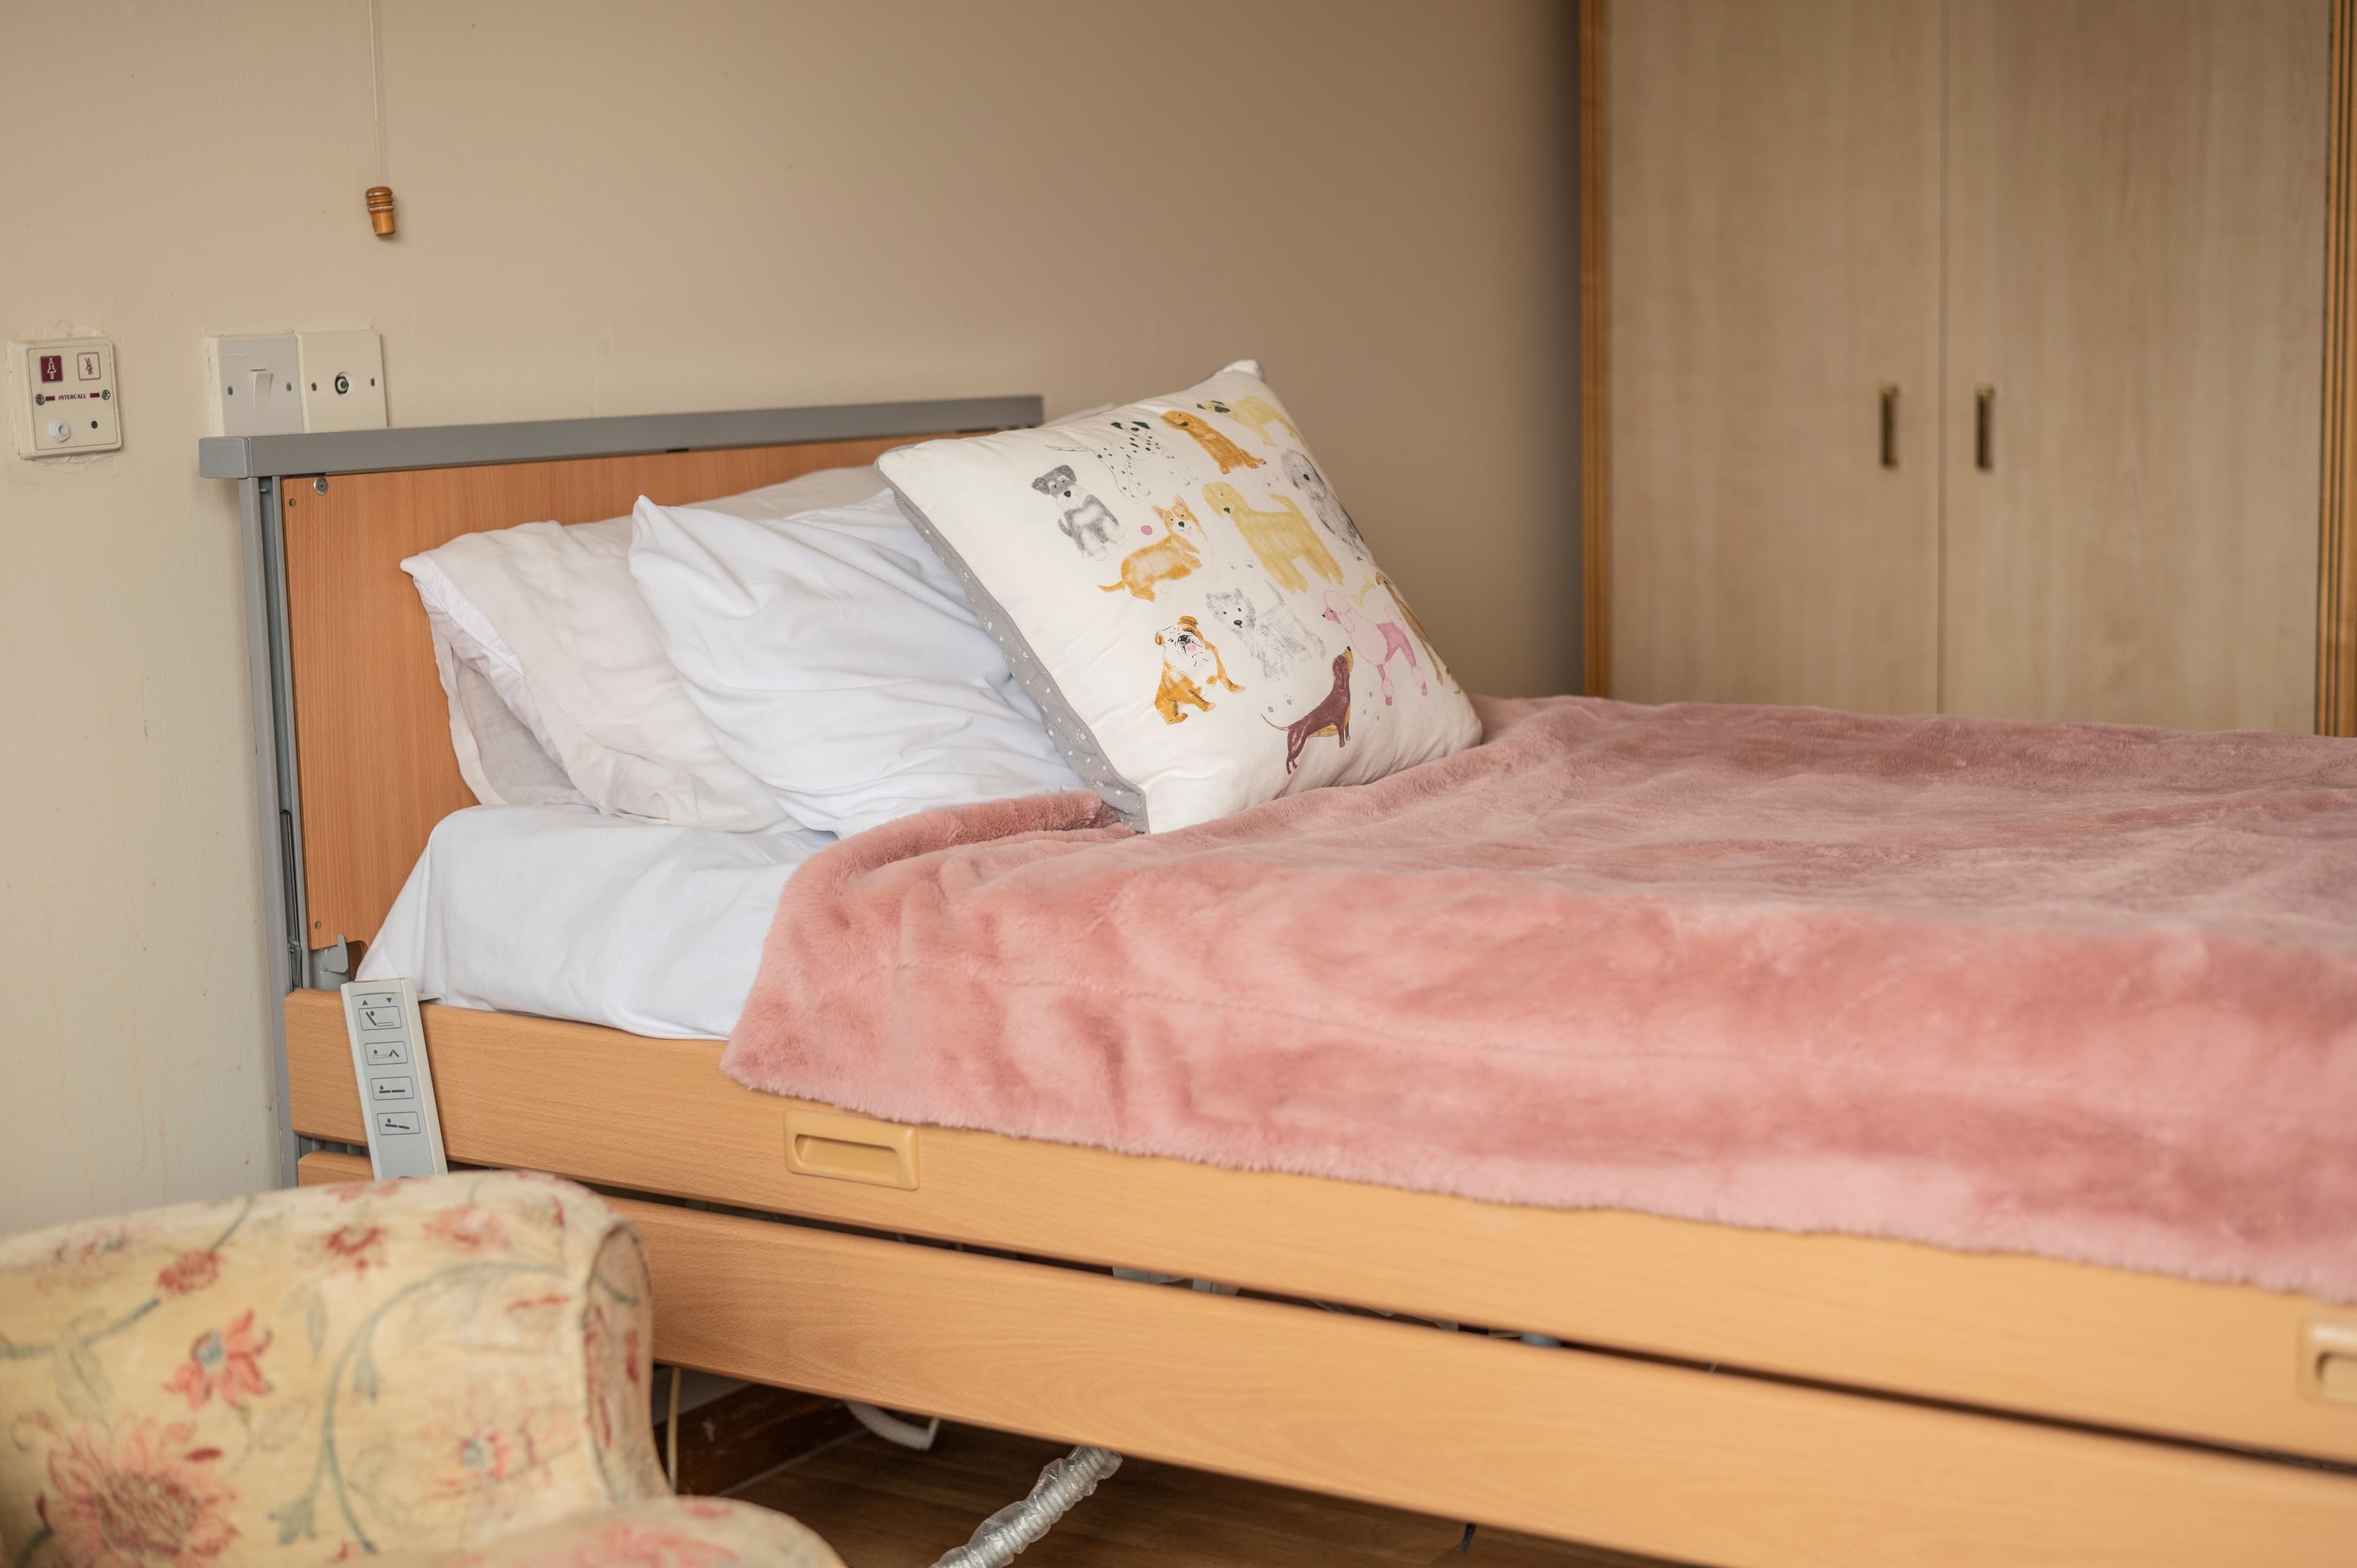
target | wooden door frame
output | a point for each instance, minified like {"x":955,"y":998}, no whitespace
{"x":2336,"y":622}
{"x":1595,"y":403}
{"x":2336,"y":609}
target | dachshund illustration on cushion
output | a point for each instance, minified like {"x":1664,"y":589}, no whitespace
{"x":1331,"y":717}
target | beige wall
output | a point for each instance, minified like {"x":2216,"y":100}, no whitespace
{"x":616,"y":209}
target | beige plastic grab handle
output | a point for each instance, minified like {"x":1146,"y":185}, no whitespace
{"x":2328,"y":1361}
{"x":844,"y":1147}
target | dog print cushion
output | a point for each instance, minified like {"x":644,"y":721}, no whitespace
{"x":1183,"y":596}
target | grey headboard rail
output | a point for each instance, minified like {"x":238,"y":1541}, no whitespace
{"x":616,"y":436}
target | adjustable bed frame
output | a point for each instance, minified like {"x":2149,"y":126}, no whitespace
{"x":1719,"y":1395}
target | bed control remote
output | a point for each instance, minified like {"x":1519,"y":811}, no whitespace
{"x":404,"y":1129}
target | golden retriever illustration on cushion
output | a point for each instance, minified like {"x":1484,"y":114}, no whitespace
{"x":1255,"y":412}
{"x":1278,"y":538}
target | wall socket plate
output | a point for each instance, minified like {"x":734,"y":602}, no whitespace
{"x":64,"y":396}
{"x":284,"y":383}
{"x":342,"y":380}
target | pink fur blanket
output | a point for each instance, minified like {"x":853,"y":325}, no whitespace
{"x":2082,"y":990}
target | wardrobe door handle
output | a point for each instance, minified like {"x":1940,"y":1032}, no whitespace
{"x":1890,"y":424}
{"x":1984,"y":427}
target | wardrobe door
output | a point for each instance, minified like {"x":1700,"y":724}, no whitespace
{"x":2135,"y":358}
{"x":1772,"y":234}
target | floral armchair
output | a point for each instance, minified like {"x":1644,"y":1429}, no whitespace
{"x":448,"y":1371}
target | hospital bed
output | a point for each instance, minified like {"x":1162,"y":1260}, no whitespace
{"x":1695,"y":1392}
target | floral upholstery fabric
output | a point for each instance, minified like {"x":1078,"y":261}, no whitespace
{"x":674,"y":1532}
{"x":420,"y":1366}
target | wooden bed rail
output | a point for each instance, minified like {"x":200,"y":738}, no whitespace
{"x":2136,"y":1351}
{"x":1588,"y":1447}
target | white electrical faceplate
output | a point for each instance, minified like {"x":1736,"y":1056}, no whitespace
{"x":69,"y":399}
{"x":343,"y":380}
{"x":284,"y":383}
{"x":255,"y":385}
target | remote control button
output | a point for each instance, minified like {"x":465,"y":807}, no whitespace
{"x":391,"y":1088}
{"x":396,"y":1124}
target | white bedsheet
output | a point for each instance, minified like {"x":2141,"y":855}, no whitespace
{"x":560,"y":911}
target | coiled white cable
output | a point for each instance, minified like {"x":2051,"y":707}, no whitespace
{"x":1064,"y":1482}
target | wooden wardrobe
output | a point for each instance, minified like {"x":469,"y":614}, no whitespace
{"x":1959,"y":356}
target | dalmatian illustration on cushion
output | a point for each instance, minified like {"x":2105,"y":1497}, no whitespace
{"x":1141,"y":469}
{"x":1087,"y":521}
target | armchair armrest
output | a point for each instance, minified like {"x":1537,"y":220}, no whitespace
{"x":394,"y":1366}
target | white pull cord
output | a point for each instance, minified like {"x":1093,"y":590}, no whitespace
{"x":1063,"y":1483}
{"x":892,"y":1429}
{"x":671,"y":1434}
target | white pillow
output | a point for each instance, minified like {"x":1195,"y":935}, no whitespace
{"x":838,"y":661}
{"x":1184,"y":596}
{"x":549,"y":618}
{"x":500,"y":757}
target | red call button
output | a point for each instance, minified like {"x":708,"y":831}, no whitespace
{"x":53,"y":367}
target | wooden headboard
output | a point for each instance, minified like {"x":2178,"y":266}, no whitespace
{"x":372,"y":726}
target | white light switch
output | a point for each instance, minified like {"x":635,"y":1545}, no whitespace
{"x":67,"y":397}
{"x":254,"y":386}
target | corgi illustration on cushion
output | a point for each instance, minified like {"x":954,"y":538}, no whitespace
{"x":1221,"y":450}
{"x":1189,"y":662}
{"x":1165,"y":560}
{"x":1255,"y":412}
{"x":1278,"y":538}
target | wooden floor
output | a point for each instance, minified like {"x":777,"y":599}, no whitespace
{"x":882,"y":1507}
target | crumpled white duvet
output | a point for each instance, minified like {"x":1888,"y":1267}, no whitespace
{"x":560,"y":911}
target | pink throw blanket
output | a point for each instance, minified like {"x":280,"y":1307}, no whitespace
{"x":2082,"y":990}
